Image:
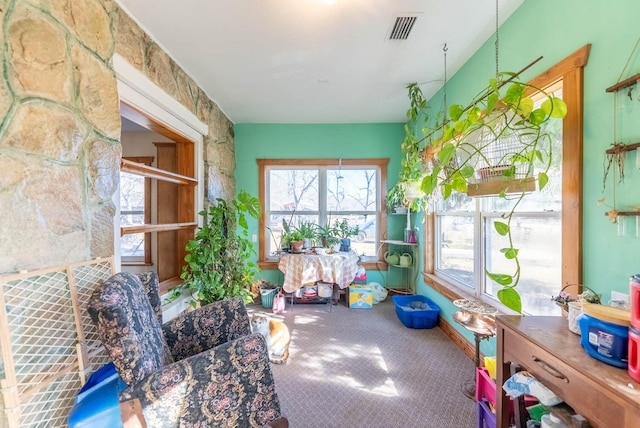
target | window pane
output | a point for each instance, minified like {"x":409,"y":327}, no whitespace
{"x":456,"y":248}
{"x":132,"y":245}
{"x":351,"y":190}
{"x":131,"y":192}
{"x":293,"y":189}
{"x":540,"y":257}
{"x":364,"y":243}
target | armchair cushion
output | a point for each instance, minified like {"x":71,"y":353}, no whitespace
{"x":229,"y":385}
{"x":193,"y":332}
{"x":129,"y":327}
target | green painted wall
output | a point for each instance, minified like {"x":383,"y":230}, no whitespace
{"x":554,"y":30}
{"x":292,"y":141}
{"x":545,"y":28}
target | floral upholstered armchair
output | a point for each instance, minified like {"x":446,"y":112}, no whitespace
{"x":201,"y":369}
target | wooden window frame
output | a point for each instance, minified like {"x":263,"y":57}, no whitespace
{"x":268,"y":264}
{"x":126,"y":260}
{"x":571,"y":72}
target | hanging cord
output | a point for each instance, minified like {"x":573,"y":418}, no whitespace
{"x":497,"y":39}
{"x":444,"y":88}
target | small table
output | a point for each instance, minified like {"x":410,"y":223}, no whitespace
{"x":299,"y":269}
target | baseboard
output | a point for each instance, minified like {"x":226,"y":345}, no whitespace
{"x":467,"y":347}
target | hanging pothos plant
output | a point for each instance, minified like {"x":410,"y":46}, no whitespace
{"x":407,"y":191}
{"x":493,"y":143}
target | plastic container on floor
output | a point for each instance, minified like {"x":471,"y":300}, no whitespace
{"x":96,"y":405}
{"x":416,"y":311}
{"x":266,"y":296}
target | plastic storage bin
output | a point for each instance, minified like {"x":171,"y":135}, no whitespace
{"x":96,"y":405}
{"x":607,"y":341}
{"x":416,"y":318}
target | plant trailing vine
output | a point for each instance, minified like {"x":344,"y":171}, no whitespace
{"x":464,"y":148}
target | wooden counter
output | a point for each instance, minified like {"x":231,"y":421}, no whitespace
{"x":605,"y":395}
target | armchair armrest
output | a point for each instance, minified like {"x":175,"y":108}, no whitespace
{"x":219,"y":322}
{"x":229,"y":385}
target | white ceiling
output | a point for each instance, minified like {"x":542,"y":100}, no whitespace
{"x":316,"y":61}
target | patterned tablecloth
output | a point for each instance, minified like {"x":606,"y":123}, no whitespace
{"x":339,"y":268}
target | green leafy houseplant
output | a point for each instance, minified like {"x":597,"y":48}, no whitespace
{"x":328,"y":236}
{"x":407,"y":191}
{"x":497,"y":115}
{"x":217,"y":261}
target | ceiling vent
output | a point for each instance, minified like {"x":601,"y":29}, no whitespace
{"x":402,"y":27}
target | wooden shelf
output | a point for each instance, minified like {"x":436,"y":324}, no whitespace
{"x":146,"y":228}
{"x":396,"y":242}
{"x":622,"y":148}
{"x":626,"y":213}
{"x":159,"y":174}
{"x":624,"y":84}
{"x":498,"y":186}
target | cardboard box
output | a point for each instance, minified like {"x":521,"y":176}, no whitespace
{"x":360,"y":296}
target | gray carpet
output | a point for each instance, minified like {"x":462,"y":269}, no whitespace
{"x":363,"y":368}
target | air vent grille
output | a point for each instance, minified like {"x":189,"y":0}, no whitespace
{"x":402,"y":27}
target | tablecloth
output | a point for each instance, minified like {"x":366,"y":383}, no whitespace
{"x":338,"y":268}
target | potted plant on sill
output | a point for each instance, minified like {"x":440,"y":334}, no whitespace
{"x":217,"y":261}
{"x":328,"y":236}
{"x":345,"y":231}
{"x":295,"y":240}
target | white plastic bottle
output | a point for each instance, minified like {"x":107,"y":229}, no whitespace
{"x":551,"y":421}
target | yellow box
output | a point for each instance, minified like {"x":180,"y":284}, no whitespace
{"x":490,"y":365}
{"x":360,"y":296}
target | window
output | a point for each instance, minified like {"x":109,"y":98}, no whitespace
{"x":548,"y":225}
{"x":322,"y":191}
{"x":135,"y":209}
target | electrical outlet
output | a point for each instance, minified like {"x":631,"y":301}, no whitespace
{"x":254,"y":238}
{"x":620,"y":297}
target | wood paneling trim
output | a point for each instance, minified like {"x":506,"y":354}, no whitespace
{"x":571,"y":72}
{"x":263,"y":235}
{"x":461,"y":342}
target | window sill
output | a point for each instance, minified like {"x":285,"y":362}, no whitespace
{"x":124,"y":263}
{"x":445,"y":288}
{"x":452,"y":292}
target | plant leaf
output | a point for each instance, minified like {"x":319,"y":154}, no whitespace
{"x":455,"y":111}
{"x":554,"y":107}
{"x":510,"y":298}
{"x":474,"y":114}
{"x":501,"y":278}
{"x":510,"y":172}
{"x":537,"y":117}
{"x":525,"y":107}
{"x":446,"y":153}
{"x":509,"y":253}
{"x":492,"y":100}
{"x":467,"y":171}
{"x":501,"y":228}
{"x":543,"y":179}
{"x":446,"y":191}
{"x":461,"y":125}
{"x":447,"y":132}
{"x":459,"y":184}
{"x":493,"y":83}
{"x":429,"y":183}
{"x":514,"y":94}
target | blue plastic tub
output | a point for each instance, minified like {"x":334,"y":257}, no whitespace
{"x":604,"y":341}
{"x":412,"y":315}
{"x":96,"y":405}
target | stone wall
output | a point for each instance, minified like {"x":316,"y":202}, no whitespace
{"x":60,"y":127}
{"x":219,"y":155}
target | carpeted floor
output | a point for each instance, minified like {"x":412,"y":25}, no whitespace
{"x":363,"y":368}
